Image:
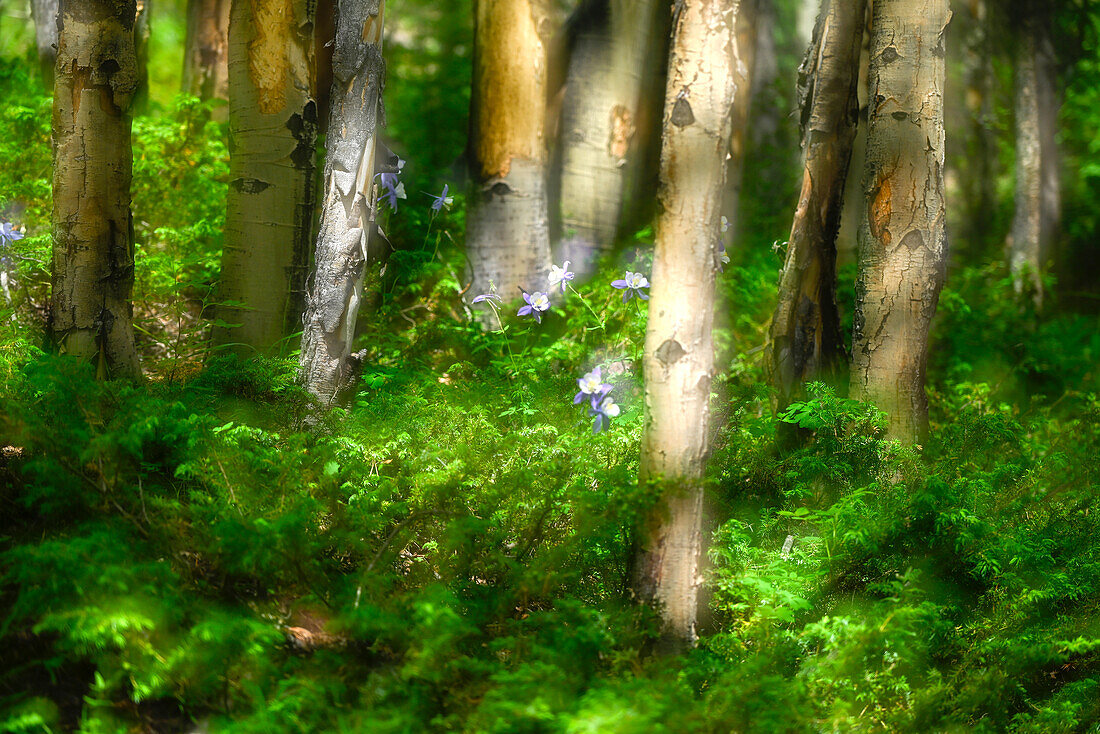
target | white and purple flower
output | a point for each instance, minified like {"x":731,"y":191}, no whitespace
{"x":560,"y":276}
{"x":8,"y":234}
{"x":491,"y":298}
{"x":632,"y":285}
{"x":392,"y":188}
{"x":603,"y":412}
{"x":438,"y":202}
{"x":537,"y":302}
{"x":593,"y":386}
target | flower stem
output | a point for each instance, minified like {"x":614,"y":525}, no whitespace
{"x":589,"y":307}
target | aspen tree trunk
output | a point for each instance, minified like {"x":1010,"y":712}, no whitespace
{"x":981,"y":149}
{"x":142,"y":30}
{"x":348,"y":209}
{"x":600,"y":118}
{"x":45,"y":37}
{"x":1037,"y":186}
{"x":93,"y":252}
{"x":679,"y":352}
{"x":206,"y":52}
{"x":903,"y":238}
{"x":767,"y":118}
{"x":272,"y":132}
{"x":507,"y":230}
{"x":742,"y":107}
{"x":805,"y":342}
{"x":847,"y":239}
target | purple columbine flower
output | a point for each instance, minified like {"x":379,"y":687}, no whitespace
{"x":632,"y":286}
{"x":537,"y":302}
{"x":723,"y":258}
{"x":392,"y":189}
{"x":560,"y":276}
{"x":438,"y":202}
{"x":491,"y":298}
{"x":9,"y":234}
{"x":593,"y":386}
{"x":603,"y":412}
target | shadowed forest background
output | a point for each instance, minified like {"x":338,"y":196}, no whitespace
{"x":527,"y":366}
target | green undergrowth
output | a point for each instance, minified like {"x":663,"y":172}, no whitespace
{"x":451,"y":552}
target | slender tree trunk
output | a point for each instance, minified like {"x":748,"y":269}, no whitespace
{"x":45,"y":37}
{"x":1037,"y":186}
{"x":747,"y":34}
{"x":979,"y":178}
{"x":805,"y":341}
{"x":272,"y":133}
{"x":206,"y":52}
{"x":507,"y":231}
{"x":600,"y":117}
{"x":679,"y":352}
{"x":348,"y":210}
{"x":93,"y":253}
{"x":142,"y":30}
{"x":903,"y":238}
{"x":847,"y":245}
{"x":768,"y":117}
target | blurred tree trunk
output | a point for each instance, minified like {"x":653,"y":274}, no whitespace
{"x":805,"y":342}
{"x":768,"y":117}
{"x":45,"y":37}
{"x":1038,"y":191}
{"x":903,"y":238}
{"x":600,"y":117}
{"x":981,"y":148}
{"x":507,"y":231}
{"x":347,"y":213}
{"x":93,"y":252}
{"x":142,"y":29}
{"x":272,"y":133}
{"x":679,"y":351}
{"x":747,"y":34}
{"x":206,"y":52}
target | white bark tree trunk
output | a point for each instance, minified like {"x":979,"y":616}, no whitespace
{"x":45,"y":36}
{"x":679,"y":351}
{"x":272,"y":133}
{"x":903,"y":237}
{"x":93,"y":252}
{"x":1038,"y":190}
{"x":348,"y":209}
{"x":507,"y":229}
{"x":206,"y":52}
{"x":600,"y":118}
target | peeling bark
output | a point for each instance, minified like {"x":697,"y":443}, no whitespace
{"x":679,"y":351}
{"x":805,"y":342}
{"x":206,"y":52}
{"x":348,"y":210}
{"x":272,"y":134}
{"x":93,"y":253}
{"x":45,"y":37}
{"x":903,"y":238}
{"x":507,"y":231}
{"x":601,"y":114}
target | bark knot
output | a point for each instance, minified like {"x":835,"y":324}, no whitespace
{"x":670,"y":352}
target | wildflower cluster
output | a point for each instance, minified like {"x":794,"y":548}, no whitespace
{"x":600,"y":406}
